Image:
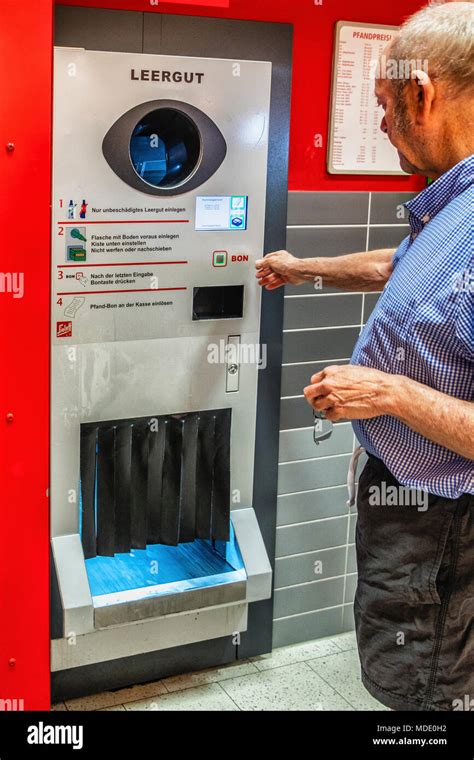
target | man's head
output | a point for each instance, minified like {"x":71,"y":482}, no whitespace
{"x":427,"y":89}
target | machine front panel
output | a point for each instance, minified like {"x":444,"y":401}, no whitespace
{"x":159,"y":186}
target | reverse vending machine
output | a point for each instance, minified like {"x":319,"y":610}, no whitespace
{"x":159,"y":203}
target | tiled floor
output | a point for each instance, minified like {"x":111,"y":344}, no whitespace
{"x":315,"y":675}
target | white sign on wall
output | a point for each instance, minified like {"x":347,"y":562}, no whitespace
{"x":356,"y":143}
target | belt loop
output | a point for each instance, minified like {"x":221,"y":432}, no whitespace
{"x":351,"y":475}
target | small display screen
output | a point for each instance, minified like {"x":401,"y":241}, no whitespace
{"x":221,"y":212}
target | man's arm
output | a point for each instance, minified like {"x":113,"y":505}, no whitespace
{"x":440,"y":418}
{"x":368,"y":271}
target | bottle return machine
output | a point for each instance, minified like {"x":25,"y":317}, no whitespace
{"x":159,"y":192}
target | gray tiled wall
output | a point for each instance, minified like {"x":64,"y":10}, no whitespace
{"x":316,"y":571}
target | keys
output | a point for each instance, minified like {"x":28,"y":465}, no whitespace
{"x":318,"y":434}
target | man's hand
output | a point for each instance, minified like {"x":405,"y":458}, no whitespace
{"x":350,"y":392}
{"x":277,"y":269}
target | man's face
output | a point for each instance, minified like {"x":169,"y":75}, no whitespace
{"x":398,"y":126}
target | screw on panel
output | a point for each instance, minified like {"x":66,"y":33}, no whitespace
{"x":10,"y":147}
{"x":9,"y":418}
{"x":12,"y":662}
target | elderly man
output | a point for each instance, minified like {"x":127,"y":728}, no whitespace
{"x":409,"y":386}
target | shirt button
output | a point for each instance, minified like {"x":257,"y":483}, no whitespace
{"x":426,"y":218}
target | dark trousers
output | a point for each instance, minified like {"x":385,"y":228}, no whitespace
{"x":414,"y":604}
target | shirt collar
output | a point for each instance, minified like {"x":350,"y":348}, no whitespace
{"x":436,"y":196}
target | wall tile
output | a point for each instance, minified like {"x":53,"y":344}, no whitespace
{"x":322,"y":311}
{"x":299,"y":444}
{"x":315,"y":625}
{"x":353,"y":522}
{"x":312,"y":505}
{"x":312,"y":481}
{"x":385,"y":208}
{"x":348,"y":623}
{"x":311,"y":242}
{"x":300,"y":569}
{"x":316,"y":473}
{"x":322,"y":534}
{"x":308,"y":242}
{"x":328,"y":208}
{"x":295,"y":413}
{"x":309,"y":596}
{"x":351,"y":583}
{"x":370,"y":301}
{"x":387,"y":237}
{"x":351,"y":559}
{"x":297,"y":376}
{"x":309,"y":345}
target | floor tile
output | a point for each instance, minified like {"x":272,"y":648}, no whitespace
{"x":290,"y":687}
{"x":345,"y":641}
{"x":112,"y":698}
{"x":323,"y":674}
{"x":208,"y":697}
{"x":295,"y":653}
{"x":211,"y":675}
{"x":342,"y":672}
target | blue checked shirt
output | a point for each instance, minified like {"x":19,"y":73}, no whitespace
{"x":422,"y":327}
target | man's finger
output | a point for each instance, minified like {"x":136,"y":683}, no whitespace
{"x":322,"y":403}
{"x":264,"y":272}
{"x":318,"y":376}
{"x":313,"y":392}
{"x":316,"y":389}
{"x":272,"y":279}
{"x":275,"y":285}
{"x":263,"y":268}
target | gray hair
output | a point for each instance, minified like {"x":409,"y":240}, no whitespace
{"x":443,"y":37}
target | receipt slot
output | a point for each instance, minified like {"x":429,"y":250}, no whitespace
{"x":160,"y":162}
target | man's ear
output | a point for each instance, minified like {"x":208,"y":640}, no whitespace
{"x":420,"y":95}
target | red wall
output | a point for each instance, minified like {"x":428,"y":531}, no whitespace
{"x":25,"y":120}
{"x":313,"y":43}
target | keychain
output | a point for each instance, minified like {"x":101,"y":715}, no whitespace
{"x":318,"y":416}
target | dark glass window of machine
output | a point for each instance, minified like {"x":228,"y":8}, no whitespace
{"x":165,"y":147}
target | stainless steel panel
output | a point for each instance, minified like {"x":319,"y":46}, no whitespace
{"x":169,"y":604}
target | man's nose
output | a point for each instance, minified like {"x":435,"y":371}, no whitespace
{"x":383,"y":126}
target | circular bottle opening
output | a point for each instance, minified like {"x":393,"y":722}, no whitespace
{"x":165,"y":148}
